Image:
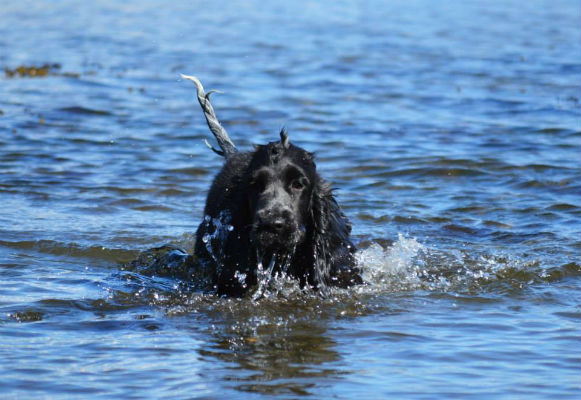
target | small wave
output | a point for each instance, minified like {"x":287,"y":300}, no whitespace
{"x":72,"y":250}
{"x":408,"y":265}
{"x":85,"y":111}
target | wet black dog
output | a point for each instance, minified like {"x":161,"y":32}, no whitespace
{"x":268,"y":211}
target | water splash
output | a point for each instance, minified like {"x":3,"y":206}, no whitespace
{"x":381,"y":267}
{"x":241,"y":277}
{"x":263,"y":276}
{"x":217,"y":231}
{"x":403,"y":267}
{"x":408,"y":265}
{"x":274,"y":280}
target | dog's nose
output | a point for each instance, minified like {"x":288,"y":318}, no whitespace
{"x":276,"y":220}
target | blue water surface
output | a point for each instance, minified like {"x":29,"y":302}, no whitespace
{"x":450,"y":130}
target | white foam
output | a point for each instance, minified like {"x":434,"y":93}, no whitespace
{"x":381,"y":266}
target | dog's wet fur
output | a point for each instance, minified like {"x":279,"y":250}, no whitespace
{"x":271,"y":202}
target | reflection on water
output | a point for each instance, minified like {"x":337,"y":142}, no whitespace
{"x":279,"y":355}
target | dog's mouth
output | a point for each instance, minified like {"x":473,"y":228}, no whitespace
{"x":269,"y":239}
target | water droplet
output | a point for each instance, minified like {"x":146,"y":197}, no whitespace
{"x":230,"y":228}
{"x":241,"y":277}
{"x":206,"y":238}
{"x":207,"y":218}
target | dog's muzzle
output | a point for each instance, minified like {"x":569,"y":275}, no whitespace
{"x":276,"y":230}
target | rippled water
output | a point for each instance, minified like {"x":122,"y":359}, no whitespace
{"x":450,"y":130}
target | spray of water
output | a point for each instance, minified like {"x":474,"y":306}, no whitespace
{"x":263,"y":275}
{"x":405,"y":266}
{"x":217,"y":231}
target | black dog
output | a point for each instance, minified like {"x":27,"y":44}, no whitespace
{"x":268,"y":211}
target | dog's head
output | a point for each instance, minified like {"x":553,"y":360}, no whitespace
{"x":282,"y":180}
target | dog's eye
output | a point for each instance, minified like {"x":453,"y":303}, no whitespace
{"x":298,"y":184}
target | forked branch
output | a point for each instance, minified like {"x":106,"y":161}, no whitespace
{"x":219,"y":132}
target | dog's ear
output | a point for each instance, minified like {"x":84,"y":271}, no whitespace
{"x":331,"y":231}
